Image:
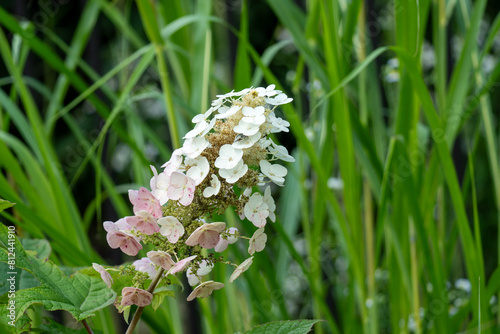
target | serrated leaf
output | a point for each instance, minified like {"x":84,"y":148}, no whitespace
{"x":40,"y":246}
{"x":284,"y":327}
{"x":81,"y":295}
{"x":55,"y":328}
{"x":22,"y":325}
{"x":26,"y":280}
{"x":5,"y":204}
{"x":42,"y":249}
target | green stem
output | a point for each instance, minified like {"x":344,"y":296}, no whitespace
{"x":414,"y":277}
{"x":138,"y":313}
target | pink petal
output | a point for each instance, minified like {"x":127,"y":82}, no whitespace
{"x":133,"y":196}
{"x":161,"y":259}
{"x":181,"y":265}
{"x":136,"y":296}
{"x":131,"y":246}
{"x":116,"y":239}
{"x":187,"y":197}
{"x":208,"y":239}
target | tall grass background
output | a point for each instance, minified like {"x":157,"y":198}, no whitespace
{"x":389,"y":221}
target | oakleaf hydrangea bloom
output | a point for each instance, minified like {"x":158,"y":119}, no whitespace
{"x":223,"y":161}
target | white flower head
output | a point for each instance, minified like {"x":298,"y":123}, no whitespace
{"x":242,"y":141}
{"x":246,"y":128}
{"x":279,"y":100}
{"x":201,"y":128}
{"x":194,"y":146}
{"x":254,"y":115}
{"x":171,"y":228}
{"x":199,"y":168}
{"x":257,"y":242}
{"x":277,"y":124}
{"x":214,"y":187}
{"x":253,"y":112}
{"x":280,"y":152}
{"x":268,"y":91}
{"x":201,"y":117}
{"x":228,"y":157}
{"x":226,"y":112}
{"x":268,"y":199}
{"x":174,"y":163}
{"x":256,"y":210}
{"x":159,"y":184}
{"x":275,"y":173}
{"x":234,"y":174}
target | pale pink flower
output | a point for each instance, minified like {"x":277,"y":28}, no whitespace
{"x":224,"y":242}
{"x":120,"y":225}
{"x":128,"y":243}
{"x":171,"y":228}
{"x":136,"y":296}
{"x":257,"y":242}
{"x":205,"y":289}
{"x":207,"y":235}
{"x":159,"y":184}
{"x":144,"y":222}
{"x":143,"y":200}
{"x":145,"y":265}
{"x":241,"y":269}
{"x":181,"y":265}
{"x":106,"y":277}
{"x":162,"y":259}
{"x":181,"y":188}
{"x":193,"y":147}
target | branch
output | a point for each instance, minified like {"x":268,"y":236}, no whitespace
{"x":138,"y":312}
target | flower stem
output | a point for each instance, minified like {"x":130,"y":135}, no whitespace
{"x":138,"y":312}
{"x":87,"y":327}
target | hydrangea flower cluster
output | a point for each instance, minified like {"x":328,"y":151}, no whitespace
{"x":223,"y":160}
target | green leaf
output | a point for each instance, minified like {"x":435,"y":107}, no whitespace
{"x":22,"y":325}
{"x":42,"y":249}
{"x":159,"y":296}
{"x":81,"y":295}
{"x":282,"y":327}
{"x":5,"y":204}
{"x":55,"y":328}
{"x":26,"y":281}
